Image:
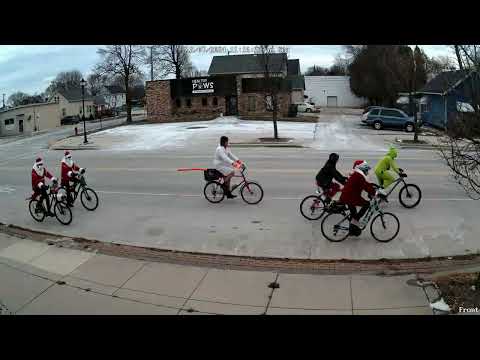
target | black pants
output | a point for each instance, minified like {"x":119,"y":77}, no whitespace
{"x":70,"y":189}
{"x":357,"y":215}
{"x":44,"y":196}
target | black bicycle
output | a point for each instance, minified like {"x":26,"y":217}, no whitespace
{"x":336,"y":225}
{"x":88,"y":196}
{"x":58,"y":202}
{"x":214,"y":190}
{"x":409,"y":195}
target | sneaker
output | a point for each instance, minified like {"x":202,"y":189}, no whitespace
{"x":354,"y":230}
{"x":70,"y":205}
{"x":231,"y":196}
{"x":50,"y":214}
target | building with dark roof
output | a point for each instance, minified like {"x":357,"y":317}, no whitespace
{"x":449,"y":93}
{"x":70,"y":103}
{"x":234,"y":86}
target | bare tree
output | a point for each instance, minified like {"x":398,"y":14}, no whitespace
{"x":95,"y":82}
{"x":20,"y":98}
{"x":170,"y":60}
{"x":124,"y":62}
{"x":192,"y":71}
{"x":65,"y":80}
{"x":17,"y":98}
{"x":271,"y":81}
{"x":462,"y":141}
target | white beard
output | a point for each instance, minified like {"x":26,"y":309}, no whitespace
{"x":68,"y":162}
{"x":38,"y":171}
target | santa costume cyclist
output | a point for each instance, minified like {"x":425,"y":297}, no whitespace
{"x":69,"y":178}
{"x":352,"y":194}
{"x":39,"y":173}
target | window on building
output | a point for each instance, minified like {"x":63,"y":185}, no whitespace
{"x":215,"y":101}
{"x":64,"y":112}
{"x":80,"y":109}
{"x":9,"y":122}
{"x":204,"y":101}
{"x":178,"y":102}
{"x":268,"y":103}
{"x":189,"y":102}
{"x":251,"y":103}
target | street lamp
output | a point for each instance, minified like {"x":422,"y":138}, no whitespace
{"x":83,"y":83}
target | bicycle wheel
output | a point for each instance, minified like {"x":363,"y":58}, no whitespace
{"x":384,"y":227}
{"x":37,"y":215}
{"x":410,"y":196}
{"x":89,"y":199}
{"x":214,"y":192}
{"x":252,"y":193}
{"x":312,"y":207}
{"x":63,"y":213}
{"x":335,"y":227}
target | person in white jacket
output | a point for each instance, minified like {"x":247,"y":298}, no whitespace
{"x":224,"y":162}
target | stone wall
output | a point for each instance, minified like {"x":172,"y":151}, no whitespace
{"x":162,"y":108}
{"x":159,"y":101}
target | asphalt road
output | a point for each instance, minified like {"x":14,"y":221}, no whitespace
{"x":146,"y":202}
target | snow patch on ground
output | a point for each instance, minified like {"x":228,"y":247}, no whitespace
{"x":321,"y":136}
{"x":337,"y":136}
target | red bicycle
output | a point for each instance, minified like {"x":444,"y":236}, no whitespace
{"x":214,"y":190}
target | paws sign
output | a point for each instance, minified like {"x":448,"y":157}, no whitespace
{"x":202,"y":86}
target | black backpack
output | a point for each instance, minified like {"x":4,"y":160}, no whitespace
{"x":212,"y":174}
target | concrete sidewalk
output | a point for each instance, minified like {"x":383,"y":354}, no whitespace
{"x":37,"y":278}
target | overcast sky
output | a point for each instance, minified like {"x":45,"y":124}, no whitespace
{"x":30,"y":68}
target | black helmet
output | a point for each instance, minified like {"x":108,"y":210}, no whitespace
{"x":333,"y":157}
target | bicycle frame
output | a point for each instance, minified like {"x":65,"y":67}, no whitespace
{"x":395,"y":184}
{"x":373,"y":209}
{"x":244,"y":180}
{"x":78,"y":186}
{"x":52,"y":195}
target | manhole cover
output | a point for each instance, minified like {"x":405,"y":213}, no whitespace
{"x":196,"y":127}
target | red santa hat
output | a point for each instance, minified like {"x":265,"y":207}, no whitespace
{"x":358,"y":162}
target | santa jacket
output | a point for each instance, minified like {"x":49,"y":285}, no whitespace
{"x":66,"y":168}
{"x":38,"y":178}
{"x":352,"y":191}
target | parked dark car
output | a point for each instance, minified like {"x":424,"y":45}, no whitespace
{"x":380,"y":117}
{"x":105,"y":113}
{"x":368,"y":108}
{"x":70,"y":120}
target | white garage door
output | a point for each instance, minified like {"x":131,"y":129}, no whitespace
{"x":332,"y":101}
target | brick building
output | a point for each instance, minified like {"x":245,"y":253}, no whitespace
{"x":234,"y":87}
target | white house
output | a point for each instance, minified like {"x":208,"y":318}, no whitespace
{"x":115,"y":96}
{"x":331,"y":91}
{"x":70,"y":103}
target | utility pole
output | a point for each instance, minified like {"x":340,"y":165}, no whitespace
{"x":415,"y":124}
{"x":3,"y":100}
{"x":151,"y":63}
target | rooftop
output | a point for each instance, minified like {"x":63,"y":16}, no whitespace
{"x":244,"y":64}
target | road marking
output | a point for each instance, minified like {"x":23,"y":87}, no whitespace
{"x":269,"y":198}
{"x":252,"y":170}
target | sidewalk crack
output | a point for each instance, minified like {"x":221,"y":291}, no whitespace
{"x":191,"y":294}
{"x":273,"y":287}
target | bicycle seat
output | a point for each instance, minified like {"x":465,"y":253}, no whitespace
{"x":402,"y":175}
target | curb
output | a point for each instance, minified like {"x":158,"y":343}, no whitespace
{"x":76,"y":148}
{"x":385,"y":267}
{"x":267,"y":145}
